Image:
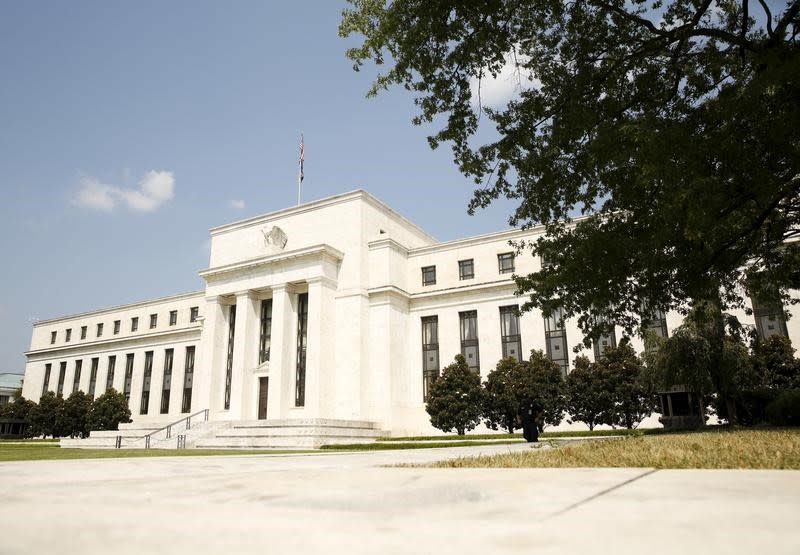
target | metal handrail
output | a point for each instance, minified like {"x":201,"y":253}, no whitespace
{"x":168,"y":427}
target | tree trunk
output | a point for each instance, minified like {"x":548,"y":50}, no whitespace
{"x":712,"y":326}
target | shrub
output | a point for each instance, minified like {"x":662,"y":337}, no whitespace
{"x":539,"y":381}
{"x":501,"y":403}
{"x":589,"y":396}
{"x":455,"y":401}
{"x":108,"y":411}
{"x":785,"y":410}
{"x":75,"y":414}
{"x":46,"y":418}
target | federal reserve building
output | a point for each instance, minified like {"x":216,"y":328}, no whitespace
{"x":319,"y":322}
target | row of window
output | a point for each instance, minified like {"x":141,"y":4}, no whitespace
{"x":510,"y":339}
{"x":144,"y":404}
{"x":194,"y":313}
{"x":466,"y":268}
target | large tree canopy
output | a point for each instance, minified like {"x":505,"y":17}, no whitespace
{"x":665,"y":131}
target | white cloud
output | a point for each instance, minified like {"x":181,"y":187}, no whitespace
{"x":155,"y":188}
{"x":237,"y":204}
{"x":495,"y":92}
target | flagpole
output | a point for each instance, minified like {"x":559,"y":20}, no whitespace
{"x":300,"y":169}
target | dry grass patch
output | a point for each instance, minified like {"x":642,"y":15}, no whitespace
{"x":774,"y":449}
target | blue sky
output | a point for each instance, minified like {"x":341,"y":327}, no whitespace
{"x":127,"y":130}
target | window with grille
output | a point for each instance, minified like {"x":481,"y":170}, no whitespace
{"x":429,"y":275}
{"x":430,"y":353}
{"x":556,"y":340}
{"x":509,"y":332}
{"x":505,"y":263}
{"x":469,"y":339}
{"x":466,"y":269}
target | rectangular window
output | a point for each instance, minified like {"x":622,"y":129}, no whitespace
{"x":769,"y":317}
{"x":112,"y":362}
{"x":194,"y":312}
{"x":469,"y":339}
{"x":83,"y":332}
{"x":266,"y":331}
{"x":99,"y":330}
{"x":430,"y":354}
{"x":134,"y":324}
{"x":556,"y":340}
{"x":116,"y":326}
{"x":188,"y":378}
{"x":429,"y":275}
{"x":144,"y":405}
{"x":605,"y":341}
{"x":229,"y":364}
{"x":173,"y":317}
{"x":509,"y":332}
{"x":46,"y":383}
{"x":76,"y":381}
{"x":62,"y":372}
{"x":167,"y":383}
{"x":153,"y":320}
{"x":466,"y":269}
{"x":53,"y":335}
{"x":126,"y":389}
{"x":68,"y":335}
{"x":653,"y":323}
{"x":302,"y":339}
{"x":505,"y":263}
{"x":93,"y":377}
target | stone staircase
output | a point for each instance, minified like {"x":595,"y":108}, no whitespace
{"x":249,"y":434}
{"x":308,"y":433}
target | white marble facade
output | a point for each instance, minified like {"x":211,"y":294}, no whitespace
{"x":357,"y":266}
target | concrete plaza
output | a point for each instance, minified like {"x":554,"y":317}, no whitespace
{"x":350,"y":503}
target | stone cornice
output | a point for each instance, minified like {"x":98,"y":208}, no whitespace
{"x":314,"y":251}
{"x":117,"y":342}
{"x":100,"y":311}
{"x":387,"y":242}
{"x":316,"y":205}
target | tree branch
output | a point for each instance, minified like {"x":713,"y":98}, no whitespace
{"x":768,"y":15}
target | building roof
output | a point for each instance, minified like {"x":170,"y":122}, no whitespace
{"x":11,"y":381}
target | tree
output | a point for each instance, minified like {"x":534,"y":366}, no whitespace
{"x":108,"y":411}
{"x":589,"y":395}
{"x":669,"y":125}
{"x":501,"y":401}
{"x":775,"y":365}
{"x":75,"y":414}
{"x":455,"y":400}
{"x":19,"y":407}
{"x":539,"y":380}
{"x":46,"y":418}
{"x":633,"y":396}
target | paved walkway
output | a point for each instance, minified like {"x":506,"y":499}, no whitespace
{"x":347,"y":503}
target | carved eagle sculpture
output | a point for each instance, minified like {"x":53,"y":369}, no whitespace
{"x":275,"y":237}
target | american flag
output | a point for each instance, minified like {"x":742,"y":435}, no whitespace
{"x":302,"y":157}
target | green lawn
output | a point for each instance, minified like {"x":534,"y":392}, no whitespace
{"x":716,"y":448}
{"x":544,"y":435}
{"x":51,"y":451}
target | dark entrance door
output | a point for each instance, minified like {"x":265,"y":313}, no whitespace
{"x":263,"y":390}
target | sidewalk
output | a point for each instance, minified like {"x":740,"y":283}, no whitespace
{"x":347,"y":503}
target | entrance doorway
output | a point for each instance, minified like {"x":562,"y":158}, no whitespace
{"x":263,"y":390}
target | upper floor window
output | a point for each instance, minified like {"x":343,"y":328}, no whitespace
{"x":53,"y":335}
{"x":99,"y":330}
{"x":608,"y":340}
{"x":653,"y":323}
{"x":193,"y":313}
{"x":429,"y":275}
{"x":134,"y":323}
{"x":83,"y":332}
{"x":116,"y":326}
{"x":68,"y":334}
{"x":769,"y":318}
{"x":466,"y":269}
{"x":505,"y":263}
{"x":153,"y":320}
{"x":173,"y":317}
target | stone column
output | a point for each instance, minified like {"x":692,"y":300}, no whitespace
{"x":321,"y":352}
{"x":209,"y":364}
{"x":245,"y":347}
{"x":282,"y":353}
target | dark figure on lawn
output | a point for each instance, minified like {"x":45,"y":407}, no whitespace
{"x":530,"y":416}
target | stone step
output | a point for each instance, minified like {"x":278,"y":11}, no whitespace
{"x":275,"y":442}
{"x":301,"y":431}
{"x":298,"y":422}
